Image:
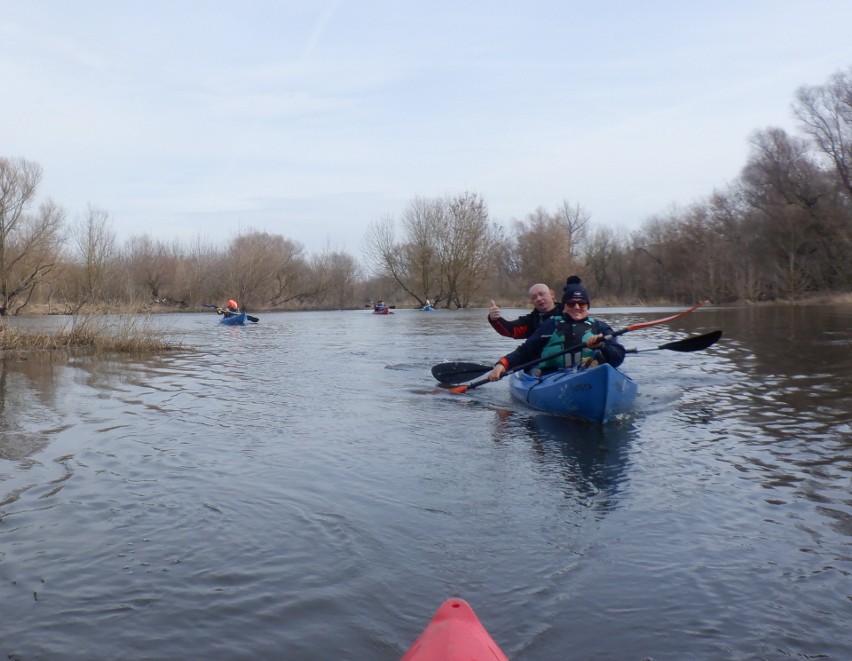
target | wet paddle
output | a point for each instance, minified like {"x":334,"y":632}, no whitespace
{"x":455,"y":373}
{"x":578,"y":347}
{"x":458,"y":372}
{"x":685,"y":345}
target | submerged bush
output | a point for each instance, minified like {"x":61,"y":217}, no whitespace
{"x":99,"y":334}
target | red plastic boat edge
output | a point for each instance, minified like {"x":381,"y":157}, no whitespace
{"x":454,"y":634}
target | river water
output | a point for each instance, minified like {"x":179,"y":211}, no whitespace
{"x":300,"y":489}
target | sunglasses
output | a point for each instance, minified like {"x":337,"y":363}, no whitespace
{"x":576,"y":304}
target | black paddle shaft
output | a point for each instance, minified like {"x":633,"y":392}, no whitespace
{"x":457,"y":372}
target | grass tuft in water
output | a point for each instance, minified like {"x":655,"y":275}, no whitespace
{"x":93,"y":333}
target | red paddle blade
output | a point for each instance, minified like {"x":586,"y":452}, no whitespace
{"x":460,"y":390}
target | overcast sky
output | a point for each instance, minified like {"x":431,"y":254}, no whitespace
{"x":187,"y":118}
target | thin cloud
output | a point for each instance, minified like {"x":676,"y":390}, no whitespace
{"x":313,"y":120}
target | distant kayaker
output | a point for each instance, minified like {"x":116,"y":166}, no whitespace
{"x":231,"y":308}
{"x":574,"y":327}
{"x":380,"y":306}
{"x":542,"y":297}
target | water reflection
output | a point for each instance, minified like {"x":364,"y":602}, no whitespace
{"x":781,"y":414}
{"x":27,"y":399}
{"x":590,"y":460}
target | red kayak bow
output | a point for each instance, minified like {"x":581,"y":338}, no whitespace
{"x":454,"y":634}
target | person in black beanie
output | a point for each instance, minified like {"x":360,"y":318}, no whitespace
{"x":556,"y":334}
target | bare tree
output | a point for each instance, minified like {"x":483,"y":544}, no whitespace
{"x":733,"y":269}
{"x":600,"y":258}
{"x":291,"y":273}
{"x":447,"y":252}
{"x":467,"y":244}
{"x":150,"y":265}
{"x":385,"y":254}
{"x":575,"y":221}
{"x":260,"y":268}
{"x":421,"y":222}
{"x":652,"y":248}
{"x":825,"y":113}
{"x":197,"y":271}
{"x":95,"y":248}
{"x":789,"y":190}
{"x":29,"y":242}
{"x":337,"y":274}
{"x":546,"y":244}
{"x":414,"y":262}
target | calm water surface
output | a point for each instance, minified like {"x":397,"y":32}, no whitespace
{"x":299,"y":489}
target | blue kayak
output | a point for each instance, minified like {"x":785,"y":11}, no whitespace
{"x":597,"y":394}
{"x":233,"y":319}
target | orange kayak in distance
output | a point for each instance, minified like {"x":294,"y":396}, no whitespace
{"x":454,"y":634}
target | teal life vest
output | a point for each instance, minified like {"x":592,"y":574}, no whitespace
{"x":567,"y":334}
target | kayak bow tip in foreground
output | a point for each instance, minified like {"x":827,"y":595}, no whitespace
{"x":454,"y":634}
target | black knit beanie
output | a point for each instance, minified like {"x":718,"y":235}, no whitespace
{"x":574,"y":290}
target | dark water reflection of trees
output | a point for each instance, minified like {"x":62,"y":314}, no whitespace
{"x":28,"y":390}
{"x":591,"y":460}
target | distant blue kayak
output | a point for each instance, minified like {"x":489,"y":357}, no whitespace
{"x":597,"y":394}
{"x":234,"y":319}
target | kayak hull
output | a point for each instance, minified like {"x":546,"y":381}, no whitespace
{"x":384,"y":311}
{"x":234,"y":319}
{"x":598,"y":394}
{"x":454,"y":634}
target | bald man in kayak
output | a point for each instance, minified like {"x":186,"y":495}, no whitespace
{"x":574,"y":328}
{"x":541,"y":296}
